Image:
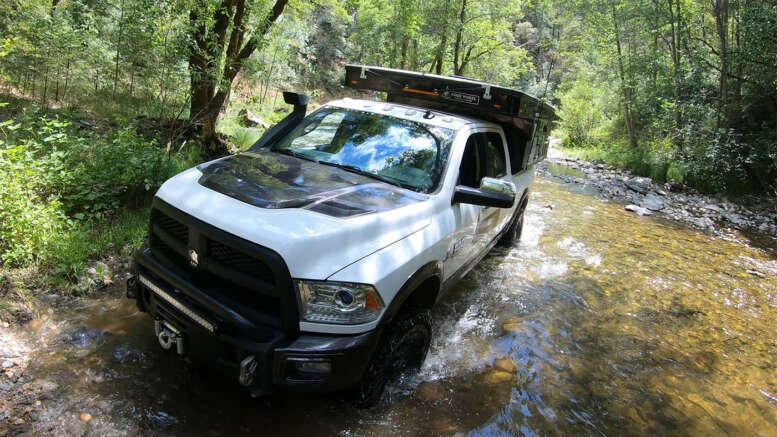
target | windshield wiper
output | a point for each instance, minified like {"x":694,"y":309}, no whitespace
{"x":369,"y":174}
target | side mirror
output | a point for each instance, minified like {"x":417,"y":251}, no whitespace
{"x":495,"y":185}
{"x":484,"y":197}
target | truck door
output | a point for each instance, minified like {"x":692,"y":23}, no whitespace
{"x":461,"y":248}
{"x":493,"y":164}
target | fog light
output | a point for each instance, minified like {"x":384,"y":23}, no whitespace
{"x":313,"y":366}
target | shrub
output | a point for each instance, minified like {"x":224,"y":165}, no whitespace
{"x":63,"y":190}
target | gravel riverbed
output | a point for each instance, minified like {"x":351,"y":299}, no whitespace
{"x":644,"y":196}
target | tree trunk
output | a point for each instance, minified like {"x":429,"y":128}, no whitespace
{"x":414,"y":55}
{"x":458,"y":41}
{"x":403,"y":52}
{"x":45,"y":85}
{"x":118,"y":48}
{"x":720,"y":11}
{"x":674,"y":43}
{"x":624,"y":85}
{"x":208,"y":98}
{"x":67,"y":78}
{"x":437,"y":64}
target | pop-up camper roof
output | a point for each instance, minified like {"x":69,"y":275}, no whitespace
{"x":456,"y":95}
{"x":526,"y":120}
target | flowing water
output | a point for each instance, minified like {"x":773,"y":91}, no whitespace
{"x":599,"y":322}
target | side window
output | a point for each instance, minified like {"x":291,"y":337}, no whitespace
{"x":469,"y":168}
{"x":495,"y":155}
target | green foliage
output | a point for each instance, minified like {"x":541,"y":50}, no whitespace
{"x":242,"y":138}
{"x":687,"y":85}
{"x":62,"y":187}
{"x":586,"y":118}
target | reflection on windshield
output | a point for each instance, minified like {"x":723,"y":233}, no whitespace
{"x":398,"y":151}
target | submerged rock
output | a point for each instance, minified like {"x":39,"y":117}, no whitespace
{"x":505,"y":364}
{"x":498,"y":377}
{"x":638,"y":210}
{"x":430,"y":391}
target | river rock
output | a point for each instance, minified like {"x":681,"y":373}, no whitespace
{"x":85,"y":417}
{"x":429,"y":391}
{"x":637,"y":185}
{"x":512,"y":324}
{"x":736,"y":219}
{"x":704,"y":222}
{"x":505,"y":364}
{"x":8,"y":353}
{"x":7,"y":364}
{"x":653,"y":202}
{"x":498,"y":377}
{"x":638,"y":210}
{"x":756,"y":273}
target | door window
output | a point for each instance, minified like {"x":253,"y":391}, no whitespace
{"x":495,"y":155}
{"x":484,"y":156}
{"x":469,"y":170}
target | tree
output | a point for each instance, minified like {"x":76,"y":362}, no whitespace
{"x":222,"y":40}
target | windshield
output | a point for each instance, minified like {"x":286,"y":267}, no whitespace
{"x":401,"y":152}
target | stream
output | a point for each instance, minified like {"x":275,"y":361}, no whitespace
{"x":600,"y":322}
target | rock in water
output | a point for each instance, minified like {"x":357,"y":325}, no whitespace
{"x":505,"y":364}
{"x":638,"y":210}
{"x":429,"y":391}
{"x":653,"y":202}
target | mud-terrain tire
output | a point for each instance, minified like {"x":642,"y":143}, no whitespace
{"x":402,"y":346}
{"x":514,"y":231}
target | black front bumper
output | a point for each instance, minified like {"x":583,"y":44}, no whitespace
{"x":220,"y":337}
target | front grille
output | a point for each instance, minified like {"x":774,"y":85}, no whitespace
{"x":176,"y":229}
{"x":248,"y":277}
{"x":239,"y":261}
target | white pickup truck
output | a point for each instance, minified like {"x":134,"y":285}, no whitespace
{"x":313,"y":261}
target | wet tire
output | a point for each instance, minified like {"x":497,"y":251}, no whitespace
{"x":403,"y":346}
{"x":513,"y":234}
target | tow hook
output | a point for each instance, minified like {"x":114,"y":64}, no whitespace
{"x":247,"y":370}
{"x":132,"y":287}
{"x":168,"y":336}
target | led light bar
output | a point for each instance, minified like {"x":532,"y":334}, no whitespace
{"x":177,"y":304}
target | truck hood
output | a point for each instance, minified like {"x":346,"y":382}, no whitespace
{"x":304,"y":220}
{"x":275,"y":181}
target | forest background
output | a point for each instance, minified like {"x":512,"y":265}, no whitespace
{"x":102,"y":100}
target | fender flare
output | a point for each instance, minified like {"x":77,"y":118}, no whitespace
{"x":427,"y":271}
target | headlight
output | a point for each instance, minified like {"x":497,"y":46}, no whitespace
{"x":338,"y":302}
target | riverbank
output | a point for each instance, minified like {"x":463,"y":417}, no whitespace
{"x":643,"y":196}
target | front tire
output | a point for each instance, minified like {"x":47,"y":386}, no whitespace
{"x":403,"y":346}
